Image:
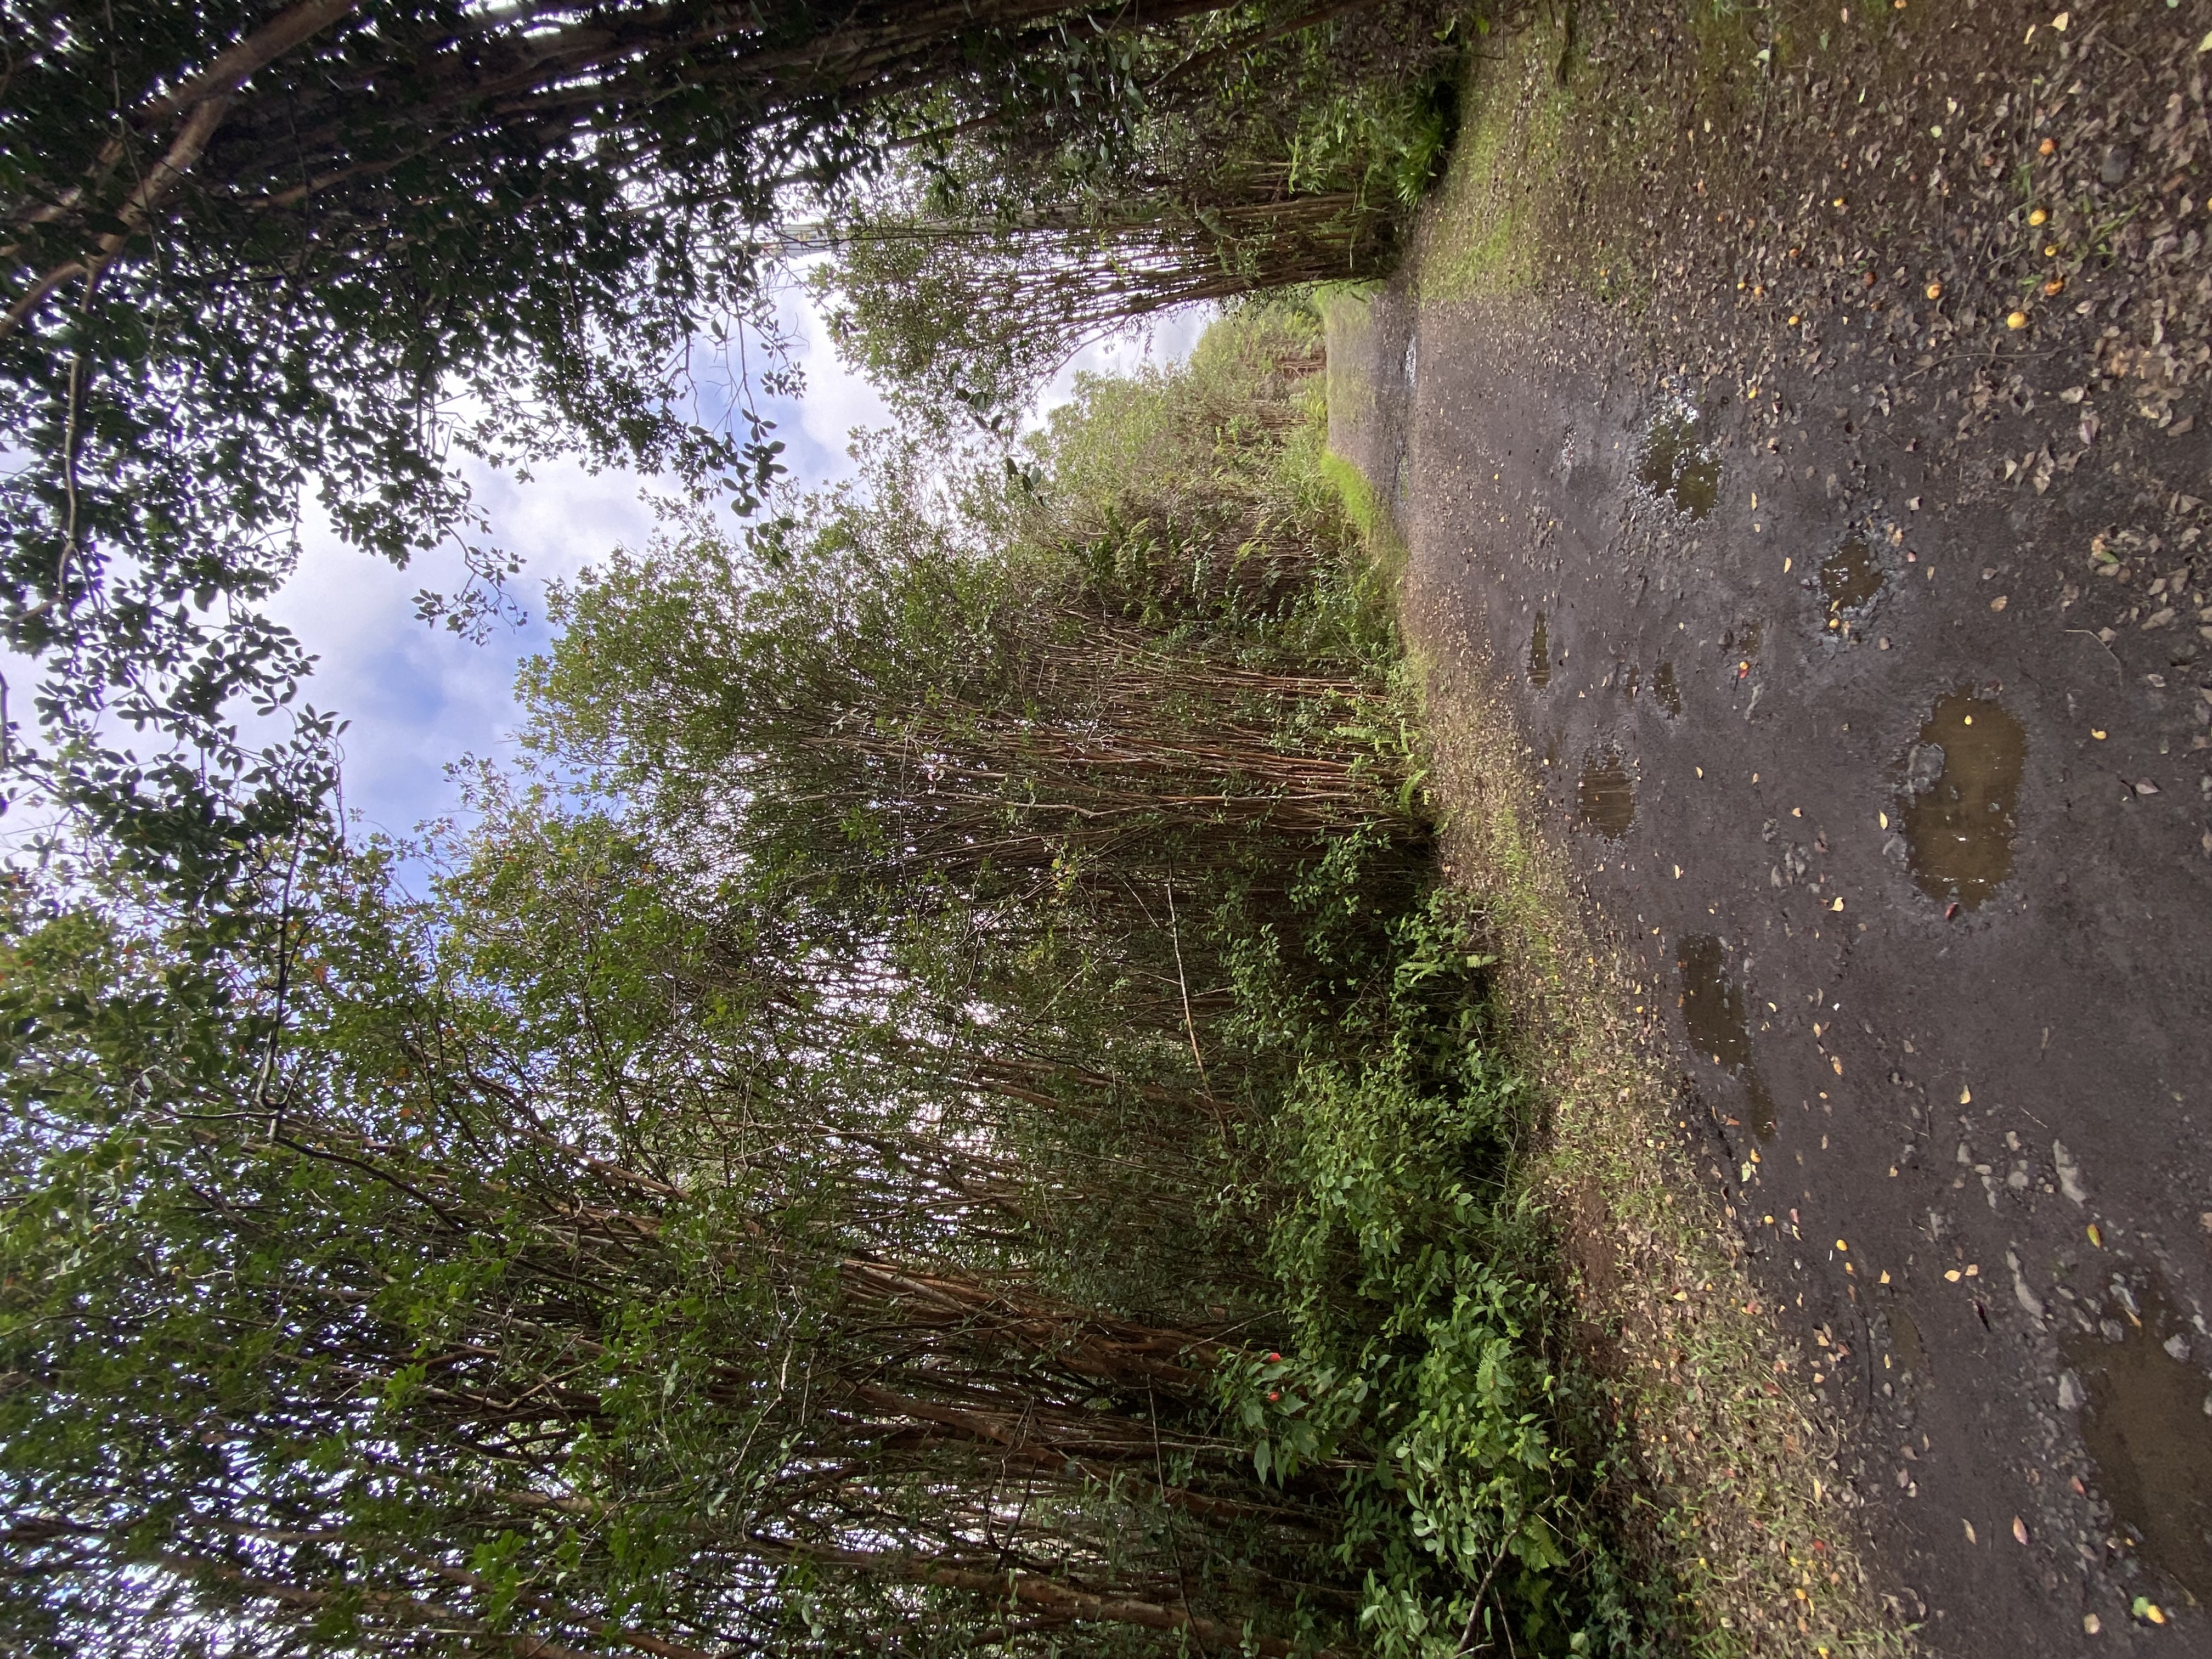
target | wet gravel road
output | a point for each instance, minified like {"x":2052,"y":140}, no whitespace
{"x":1907,"y":845}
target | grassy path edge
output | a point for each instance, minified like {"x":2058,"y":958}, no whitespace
{"x":1740,"y":1494}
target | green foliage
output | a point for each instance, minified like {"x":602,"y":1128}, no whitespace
{"x":945,"y":1113}
{"x":1257,"y":159}
{"x":248,"y":253}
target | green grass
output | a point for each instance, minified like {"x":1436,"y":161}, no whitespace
{"x":1484,"y":231}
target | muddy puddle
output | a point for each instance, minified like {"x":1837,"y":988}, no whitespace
{"x":1539,"y":655}
{"x":1665,"y":692}
{"x":1910,"y":1353}
{"x":1851,"y":578}
{"x":1606,"y":796}
{"x":1713,"y":1015}
{"x":2148,"y":1424}
{"x":1961,"y":798}
{"x":1679,"y":466}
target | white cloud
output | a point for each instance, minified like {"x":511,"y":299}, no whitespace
{"x":418,"y":696}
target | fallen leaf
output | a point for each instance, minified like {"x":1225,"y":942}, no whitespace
{"x":1966,"y":1097}
{"x":1973,"y":1269}
{"x":2096,"y":733}
{"x":2000,"y":602}
{"x":2020,"y":1530}
{"x":2096,"y":1238}
{"x":1969,"y":1526}
{"x":1951,"y":1274}
{"x":2145,"y":787}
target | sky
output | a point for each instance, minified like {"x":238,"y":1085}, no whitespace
{"x":419,"y":697}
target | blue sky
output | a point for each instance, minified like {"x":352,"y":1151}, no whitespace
{"x":419,"y":697}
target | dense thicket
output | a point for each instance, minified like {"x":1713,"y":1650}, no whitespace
{"x":943,"y":1115}
{"x":989,"y":253}
{"x":340,"y":246}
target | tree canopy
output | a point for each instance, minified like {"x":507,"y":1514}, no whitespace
{"x":339,"y":246}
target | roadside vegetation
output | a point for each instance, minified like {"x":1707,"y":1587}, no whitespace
{"x":945,"y":1106}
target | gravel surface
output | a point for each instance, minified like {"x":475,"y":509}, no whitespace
{"x":1795,"y":416}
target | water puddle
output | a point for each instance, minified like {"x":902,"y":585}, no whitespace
{"x":1606,"y":796}
{"x":1713,"y":1014}
{"x":2148,"y":1430}
{"x":1912,"y":1353}
{"x":1961,"y":793}
{"x":1678,"y":466}
{"x":1539,"y":655}
{"x":1850,"y":577}
{"x":1664,"y":689}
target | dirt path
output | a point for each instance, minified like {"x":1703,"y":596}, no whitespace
{"x":1809,"y":457}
